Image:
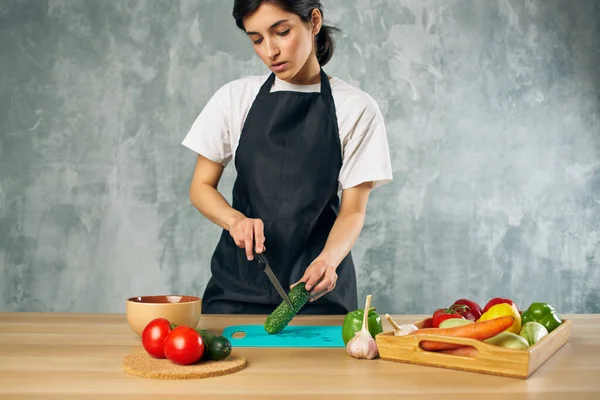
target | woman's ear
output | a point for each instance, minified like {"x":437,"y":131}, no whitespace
{"x":316,"y":21}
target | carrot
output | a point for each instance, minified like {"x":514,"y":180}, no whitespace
{"x":466,"y":351}
{"x":477,"y":330}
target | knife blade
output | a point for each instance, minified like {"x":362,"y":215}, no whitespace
{"x":264,"y":263}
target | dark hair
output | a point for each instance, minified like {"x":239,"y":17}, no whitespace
{"x":303,"y":8}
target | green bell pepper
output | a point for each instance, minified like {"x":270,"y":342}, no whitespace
{"x":354,"y":320}
{"x":543,"y":313}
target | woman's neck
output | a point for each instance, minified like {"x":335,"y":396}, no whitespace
{"x":309,"y":74}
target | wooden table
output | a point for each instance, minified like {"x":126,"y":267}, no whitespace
{"x":78,"y":356}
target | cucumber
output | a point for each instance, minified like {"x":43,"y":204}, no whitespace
{"x":216,"y":347}
{"x":283,"y":314}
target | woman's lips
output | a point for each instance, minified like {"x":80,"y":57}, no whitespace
{"x":278,"y":67}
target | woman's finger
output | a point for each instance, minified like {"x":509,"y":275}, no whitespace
{"x":248,"y":242}
{"x":327,"y":280}
{"x":238,"y":238}
{"x":303,"y":279}
{"x":314,"y":279}
{"x":326,"y":285}
{"x":322,"y":285}
{"x":318,"y":295}
{"x":259,"y":235}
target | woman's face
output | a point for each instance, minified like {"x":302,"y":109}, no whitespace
{"x":281,"y":40}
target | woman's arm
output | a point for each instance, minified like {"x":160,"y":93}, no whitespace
{"x":204,"y":195}
{"x":207,"y":199}
{"x":347,"y":226}
{"x":343,"y":235}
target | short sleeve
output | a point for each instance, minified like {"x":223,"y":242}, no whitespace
{"x":209,"y":134}
{"x":366,"y":155}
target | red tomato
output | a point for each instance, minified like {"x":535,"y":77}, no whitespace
{"x":184,"y":345}
{"x":468,"y":309}
{"x":154,"y":335}
{"x":442,"y":314}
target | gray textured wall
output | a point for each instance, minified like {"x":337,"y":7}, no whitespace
{"x":492,"y":109}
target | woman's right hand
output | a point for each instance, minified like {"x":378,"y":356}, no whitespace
{"x":249,"y":232}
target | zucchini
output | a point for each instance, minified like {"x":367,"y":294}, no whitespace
{"x":283,"y":314}
{"x":216,"y":347}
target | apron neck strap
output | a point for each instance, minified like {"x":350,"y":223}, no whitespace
{"x":325,"y":86}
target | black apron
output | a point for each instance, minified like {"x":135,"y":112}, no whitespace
{"x":288,"y":161}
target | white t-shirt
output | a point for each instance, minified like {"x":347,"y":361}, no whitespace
{"x":216,"y":131}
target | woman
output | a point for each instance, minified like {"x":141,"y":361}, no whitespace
{"x":297,"y":137}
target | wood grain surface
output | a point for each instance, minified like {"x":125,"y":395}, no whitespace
{"x":79,"y":356}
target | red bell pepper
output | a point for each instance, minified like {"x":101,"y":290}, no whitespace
{"x":468,"y":309}
{"x":498,"y":300}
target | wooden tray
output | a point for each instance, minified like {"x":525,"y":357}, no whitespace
{"x":490,"y":359}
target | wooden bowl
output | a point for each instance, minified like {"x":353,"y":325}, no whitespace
{"x":182,"y":310}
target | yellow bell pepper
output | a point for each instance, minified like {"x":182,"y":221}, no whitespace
{"x":500,"y":310}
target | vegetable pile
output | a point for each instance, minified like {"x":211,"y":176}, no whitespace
{"x":499,"y":323}
{"x":183,"y":345}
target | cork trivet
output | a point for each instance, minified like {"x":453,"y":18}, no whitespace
{"x":141,"y":364}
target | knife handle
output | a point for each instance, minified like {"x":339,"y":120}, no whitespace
{"x":262,"y":259}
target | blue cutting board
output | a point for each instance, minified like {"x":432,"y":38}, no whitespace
{"x":290,"y":336}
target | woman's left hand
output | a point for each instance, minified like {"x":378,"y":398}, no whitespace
{"x":320,"y":277}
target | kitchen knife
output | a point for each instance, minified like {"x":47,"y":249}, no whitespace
{"x":264,"y":264}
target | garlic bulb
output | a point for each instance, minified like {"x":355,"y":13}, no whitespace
{"x":362,"y":345}
{"x":401,"y":330}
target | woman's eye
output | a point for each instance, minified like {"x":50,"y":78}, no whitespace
{"x":257,"y":41}
{"x":283,"y":33}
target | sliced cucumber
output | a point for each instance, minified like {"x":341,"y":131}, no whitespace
{"x":283,"y":314}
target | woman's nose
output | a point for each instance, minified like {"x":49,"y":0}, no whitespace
{"x":272,"y":50}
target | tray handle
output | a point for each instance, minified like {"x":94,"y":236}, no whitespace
{"x":481,"y":347}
